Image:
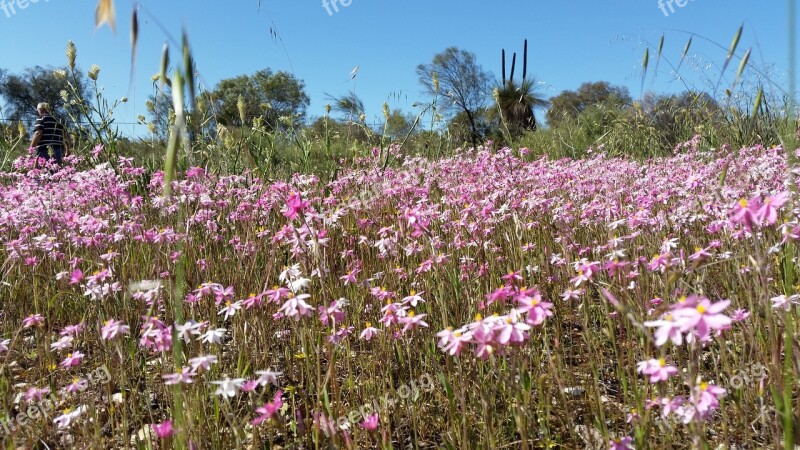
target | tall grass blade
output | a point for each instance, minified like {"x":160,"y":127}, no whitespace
{"x":105,"y":14}
{"x":660,"y":50}
{"x":645,"y":62}
{"x":134,"y":41}
{"x":731,"y":52}
{"x":742,"y":66}
{"x":685,"y":52}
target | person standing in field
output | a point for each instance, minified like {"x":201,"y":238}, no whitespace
{"x":49,"y":136}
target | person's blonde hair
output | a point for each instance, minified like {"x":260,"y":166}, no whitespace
{"x":43,"y":107}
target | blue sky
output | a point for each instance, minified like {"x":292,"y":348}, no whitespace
{"x":570,"y":42}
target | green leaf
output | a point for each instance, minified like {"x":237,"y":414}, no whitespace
{"x":685,"y":52}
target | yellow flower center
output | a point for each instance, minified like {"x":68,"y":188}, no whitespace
{"x":478,"y":317}
{"x":369,"y":325}
{"x":703,"y":386}
{"x":743,"y":203}
{"x":662,"y":362}
{"x":411,"y":313}
{"x":701,"y":309}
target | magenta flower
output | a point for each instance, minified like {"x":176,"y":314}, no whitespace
{"x":744,"y":212}
{"x":369,"y":332}
{"x":412,"y":321}
{"x":370,"y":422}
{"x":35,"y":395}
{"x":767,"y":212}
{"x":250,"y":385}
{"x":740,"y":315}
{"x":657,"y":369}
{"x":113,"y":328}
{"x":163,"y":430}
{"x":536,"y":309}
{"x":621,"y":444}
{"x":295,"y":205}
{"x":296,"y":307}
{"x":703,"y":318}
{"x":72,"y":360}
{"x":453,"y":342}
{"x":76,"y":276}
{"x":77,"y":385}
{"x":34,"y":320}
{"x":268,"y":411}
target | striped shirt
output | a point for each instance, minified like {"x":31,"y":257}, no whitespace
{"x":52,"y":133}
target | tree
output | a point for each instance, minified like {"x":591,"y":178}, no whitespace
{"x":265,"y":94}
{"x":349,"y":106}
{"x":516,"y":102}
{"x":161,"y":111}
{"x":398,"y":126}
{"x":22,"y":92}
{"x":570,"y":104}
{"x":456,"y":75}
{"x":677,"y":117}
{"x":460,"y":127}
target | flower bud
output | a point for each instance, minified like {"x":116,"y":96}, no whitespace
{"x":72,"y":52}
{"x":240,"y":105}
{"x":93,"y":72}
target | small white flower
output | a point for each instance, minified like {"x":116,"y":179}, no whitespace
{"x":230,"y":309}
{"x":289,"y":273}
{"x":189,"y":329}
{"x":64,"y":420}
{"x":228,"y":387}
{"x":203,"y":362}
{"x":213,"y":336}
{"x":268,"y":377}
{"x":298,"y":284}
{"x":784,"y":302}
{"x":61,"y":344}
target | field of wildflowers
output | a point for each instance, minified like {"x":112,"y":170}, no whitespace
{"x":484,"y":300}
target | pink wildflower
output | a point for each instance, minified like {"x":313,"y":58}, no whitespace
{"x":268,"y":410}
{"x":163,"y":430}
